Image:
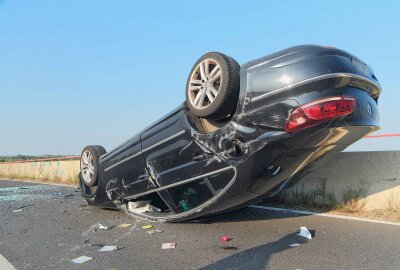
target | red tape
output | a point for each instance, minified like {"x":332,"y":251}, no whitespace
{"x":382,"y":136}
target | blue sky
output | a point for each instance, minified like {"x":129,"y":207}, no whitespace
{"x":74,"y":73}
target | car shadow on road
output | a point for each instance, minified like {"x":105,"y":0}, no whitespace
{"x":257,"y":257}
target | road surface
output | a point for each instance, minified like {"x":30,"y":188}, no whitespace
{"x":54,"y":222}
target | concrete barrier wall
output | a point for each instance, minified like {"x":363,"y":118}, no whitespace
{"x":57,"y":171}
{"x":367,"y":180}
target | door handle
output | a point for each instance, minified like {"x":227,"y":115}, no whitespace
{"x":200,"y":157}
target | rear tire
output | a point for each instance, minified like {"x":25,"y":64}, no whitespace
{"x":90,"y":180}
{"x":212,"y":88}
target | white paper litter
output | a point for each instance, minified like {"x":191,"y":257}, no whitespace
{"x":137,"y":204}
{"x":304,"y":232}
{"x":294,"y":245}
{"x":18,"y":210}
{"x":109,"y":248}
{"x":81,"y":259}
{"x":156,"y":231}
{"x":168,"y":246}
{"x":102,"y":227}
{"x":144,"y":209}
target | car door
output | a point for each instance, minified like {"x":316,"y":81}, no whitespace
{"x":124,"y":170}
{"x":172,"y":156}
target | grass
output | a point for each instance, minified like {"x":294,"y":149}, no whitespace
{"x":311,"y":198}
{"x":352,"y":202}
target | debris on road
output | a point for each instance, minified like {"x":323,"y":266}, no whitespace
{"x":87,"y":243}
{"x":109,"y":248}
{"x":147,"y":226}
{"x":81,"y":259}
{"x":141,"y":207}
{"x":19,"y":209}
{"x":65,"y":195}
{"x":86,"y":207}
{"x":102,"y":227}
{"x":294,"y":245}
{"x":225,"y":239}
{"x":156,"y":231}
{"x":304,"y":232}
{"x":168,"y":245}
{"x":124,"y":225}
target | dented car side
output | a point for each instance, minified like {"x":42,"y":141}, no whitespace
{"x":184,"y":169}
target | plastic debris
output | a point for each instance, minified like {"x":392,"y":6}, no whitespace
{"x":102,"y":227}
{"x":147,"y":227}
{"x":168,"y":245}
{"x":17,"y":210}
{"x":225,"y":239}
{"x":304,"y":232}
{"x":183,"y":205}
{"x":81,"y":259}
{"x":294,"y":245}
{"x":109,"y":248}
{"x":156,"y":231}
{"x":140,"y":207}
{"x":138,"y":204}
{"x":137,"y":207}
{"x":124,"y":225}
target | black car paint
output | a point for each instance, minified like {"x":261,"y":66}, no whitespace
{"x":251,"y":156}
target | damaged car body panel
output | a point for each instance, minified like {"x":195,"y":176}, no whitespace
{"x":184,"y":169}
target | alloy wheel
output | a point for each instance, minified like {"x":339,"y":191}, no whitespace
{"x":204,"y":83}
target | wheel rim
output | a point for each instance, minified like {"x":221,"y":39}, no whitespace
{"x":204,"y":83}
{"x":87,"y":167}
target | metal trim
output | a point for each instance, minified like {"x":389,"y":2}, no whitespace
{"x":122,"y":161}
{"x":164,"y":141}
{"x":321,"y":77}
{"x":147,"y":149}
{"x":206,"y":204}
{"x":177,"y":184}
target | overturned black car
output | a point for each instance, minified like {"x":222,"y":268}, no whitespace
{"x":245,"y":133}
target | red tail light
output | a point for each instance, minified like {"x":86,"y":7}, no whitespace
{"x":318,"y":111}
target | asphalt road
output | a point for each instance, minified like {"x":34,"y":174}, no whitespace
{"x":55,"y":222}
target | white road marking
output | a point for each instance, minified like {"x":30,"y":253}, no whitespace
{"x":5,"y":265}
{"x":302,"y":212}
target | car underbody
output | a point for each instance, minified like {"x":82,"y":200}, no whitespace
{"x":185,"y":166}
